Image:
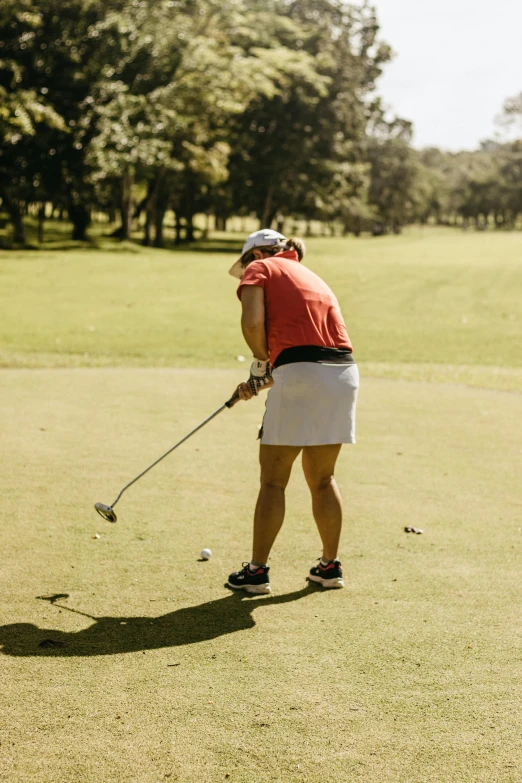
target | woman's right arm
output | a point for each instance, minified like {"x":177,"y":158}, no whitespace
{"x":254,"y":331}
{"x":253,"y":320}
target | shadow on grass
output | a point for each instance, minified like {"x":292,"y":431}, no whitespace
{"x":115,"y":635}
{"x":106,"y":244}
{"x":101,"y":238}
{"x":212,"y":245}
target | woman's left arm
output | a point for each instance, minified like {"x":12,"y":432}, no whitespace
{"x":253,"y":320}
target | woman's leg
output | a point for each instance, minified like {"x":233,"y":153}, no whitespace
{"x":318,"y":466}
{"x":276,"y":465}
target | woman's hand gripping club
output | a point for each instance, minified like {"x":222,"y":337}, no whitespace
{"x":260,"y":378}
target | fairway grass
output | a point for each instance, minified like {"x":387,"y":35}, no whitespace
{"x":411,"y":674}
{"x":149,"y":670}
{"x":432,"y":304}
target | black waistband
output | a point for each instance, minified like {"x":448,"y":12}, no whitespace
{"x":314,"y":353}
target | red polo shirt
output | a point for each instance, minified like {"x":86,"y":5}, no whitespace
{"x":300,"y":308}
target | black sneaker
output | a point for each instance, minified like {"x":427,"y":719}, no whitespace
{"x":330,"y":575}
{"x":250,"y":581}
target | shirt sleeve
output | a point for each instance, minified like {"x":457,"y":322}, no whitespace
{"x":256,"y":273}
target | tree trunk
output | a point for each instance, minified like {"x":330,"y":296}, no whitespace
{"x":14,"y":210}
{"x":189,"y":234}
{"x":40,"y":224}
{"x":147,"y":229}
{"x":177,"y":240}
{"x":206,"y":230}
{"x":140,"y":206}
{"x":80,"y":218}
{"x":150,"y":210}
{"x":126,"y":204}
{"x":41,"y":220}
{"x":159,"y":218}
{"x":268,"y":215}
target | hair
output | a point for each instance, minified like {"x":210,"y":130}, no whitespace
{"x":294,"y":243}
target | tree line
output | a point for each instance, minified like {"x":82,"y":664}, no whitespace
{"x":225,"y":107}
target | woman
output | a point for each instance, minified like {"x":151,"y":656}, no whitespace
{"x":293,"y":325}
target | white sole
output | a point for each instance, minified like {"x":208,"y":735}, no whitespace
{"x":338,"y":582}
{"x":255,"y":589}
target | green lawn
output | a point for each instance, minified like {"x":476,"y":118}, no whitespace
{"x":410,"y":675}
{"x":434,"y":302}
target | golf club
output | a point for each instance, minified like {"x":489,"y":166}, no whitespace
{"x":108,"y":513}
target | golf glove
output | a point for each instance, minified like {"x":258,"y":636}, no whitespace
{"x":260,"y":375}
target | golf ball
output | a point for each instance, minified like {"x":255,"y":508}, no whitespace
{"x":206,"y":554}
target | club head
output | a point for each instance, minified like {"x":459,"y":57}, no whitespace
{"x":52,"y":598}
{"x":107,"y":512}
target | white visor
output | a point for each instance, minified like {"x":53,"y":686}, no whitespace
{"x":266,"y":237}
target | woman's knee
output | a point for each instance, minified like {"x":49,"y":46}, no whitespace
{"x":319,"y":464}
{"x":274,"y":481}
{"x":320,"y":483}
{"x":276,"y":465}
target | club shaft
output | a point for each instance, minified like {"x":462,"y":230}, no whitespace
{"x":170,"y":451}
{"x":76,"y":611}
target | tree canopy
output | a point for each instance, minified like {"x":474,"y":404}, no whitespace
{"x":226,"y":107}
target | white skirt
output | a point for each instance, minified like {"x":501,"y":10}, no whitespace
{"x":311,"y":404}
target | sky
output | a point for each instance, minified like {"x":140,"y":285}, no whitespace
{"x":455,"y":63}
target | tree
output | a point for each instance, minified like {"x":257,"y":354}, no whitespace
{"x":511,"y":116}
{"x":25,"y":113}
{"x":172,"y":129}
{"x":297,"y":152}
{"x":397,"y":190}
